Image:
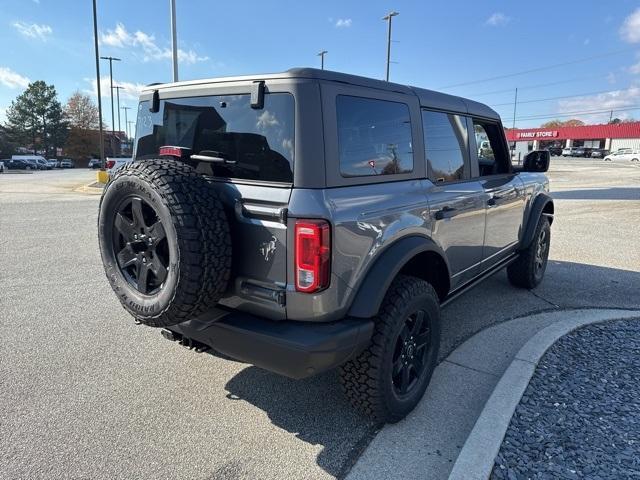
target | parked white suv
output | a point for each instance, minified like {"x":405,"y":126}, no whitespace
{"x":631,"y":154}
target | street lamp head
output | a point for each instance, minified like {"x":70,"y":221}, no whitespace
{"x":390,"y":14}
{"x":323,"y":52}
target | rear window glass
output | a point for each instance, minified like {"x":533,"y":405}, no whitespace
{"x":256,"y":144}
{"x":374,"y":137}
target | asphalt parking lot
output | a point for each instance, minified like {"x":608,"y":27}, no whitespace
{"x":85,"y":393}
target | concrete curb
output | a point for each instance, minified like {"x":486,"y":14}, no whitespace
{"x":478,"y":453}
{"x":91,"y":188}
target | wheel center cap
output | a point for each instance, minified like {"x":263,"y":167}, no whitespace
{"x":410,"y":350}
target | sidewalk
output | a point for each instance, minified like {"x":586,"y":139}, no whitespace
{"x":428,"y":442}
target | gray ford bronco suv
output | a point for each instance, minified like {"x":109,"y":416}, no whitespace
{"x":309,"y":219}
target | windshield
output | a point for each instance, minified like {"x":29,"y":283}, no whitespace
{"x":256,"y":144}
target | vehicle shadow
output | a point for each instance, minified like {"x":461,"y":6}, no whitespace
{"x":315,"y":410}
{"x":614,"y":193}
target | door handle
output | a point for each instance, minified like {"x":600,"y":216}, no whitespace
{"x":493,"y":201}
{"x":445,"y":212}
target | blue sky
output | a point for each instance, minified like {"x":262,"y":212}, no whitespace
{"x":436,"y":45}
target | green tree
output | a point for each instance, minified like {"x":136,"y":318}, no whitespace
{"x":574,"y":122}
{"x":7,"y":146}
{"x":82,"y":115}
{"x":35,"y":118}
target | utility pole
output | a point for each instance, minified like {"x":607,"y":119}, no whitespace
{"x":129,"y":122}
{"x":515,"y":104}
{"x":118,"y":88}
{"x":388,"y":18}
{"x":321,"y":55}
{"x":95,"y":38}
{"x":126,"y":121}
{"x":174,"y":40}
{"x":111,"y":60}
{"x":611,"y":116}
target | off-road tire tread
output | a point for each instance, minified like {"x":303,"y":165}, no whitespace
{"x":521,"y":272}
{"x":360,"y":378}
{"x":204,"y":242}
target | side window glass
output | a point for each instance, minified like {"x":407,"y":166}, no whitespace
{"x":491,"y":156}
{"x":445,"y":139}
{"x":374,"y":137}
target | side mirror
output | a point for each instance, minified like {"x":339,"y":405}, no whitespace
{"x":536,"y":161}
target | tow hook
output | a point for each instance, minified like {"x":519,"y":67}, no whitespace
{"x":186,"y":342}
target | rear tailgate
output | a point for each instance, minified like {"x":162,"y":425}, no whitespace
{"x":257,"y":216}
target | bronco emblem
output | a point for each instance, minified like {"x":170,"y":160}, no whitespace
{"x":268,"y":249}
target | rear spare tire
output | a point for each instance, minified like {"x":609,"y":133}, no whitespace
{"x":164,"y":241}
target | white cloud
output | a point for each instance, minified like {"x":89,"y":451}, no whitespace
{"x":33,"y":30}
{"x":131,"y":90}
{"x":604,"y":101}
{"x":611,"y":78}
{"x":343,"y":23}
{"x":11,"y":79}
{"x":120,"y":37}
{"x":630,"y":29}
{"x":497,"y":19}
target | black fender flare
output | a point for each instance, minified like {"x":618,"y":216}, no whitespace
{"x":536,"y":211}
{"x":372,"y":289}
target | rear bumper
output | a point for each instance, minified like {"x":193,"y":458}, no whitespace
{"x":290,"y":348}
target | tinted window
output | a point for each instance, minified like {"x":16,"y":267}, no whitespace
{"x":492,"y":158}
{"x":444,"y":140}
{"x":374,"y":137}
{"x":257,"y":143}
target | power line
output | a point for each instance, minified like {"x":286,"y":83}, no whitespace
{"x":566,"y":96}
{"x":530,"y":87}
{"x":538,"y":69}
{"x":569,"y":114}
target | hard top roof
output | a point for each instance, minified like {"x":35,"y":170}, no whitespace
{"x":427,"y":98}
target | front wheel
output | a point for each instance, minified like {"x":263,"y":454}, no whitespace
{"x":389,"y":378}
{"x":528,"y":270}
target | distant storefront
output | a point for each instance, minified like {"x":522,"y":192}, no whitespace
{"x":608,"y":136}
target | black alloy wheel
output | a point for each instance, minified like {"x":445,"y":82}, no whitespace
{"x":542,"y":251}
{"x":387,"y":380}
{"x":140,"y":245}
{"x":411,"y":353}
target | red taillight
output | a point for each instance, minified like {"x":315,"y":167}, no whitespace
{"x":171,"y":151}
{"x":109,"y":164}
{"x":312,"y":255}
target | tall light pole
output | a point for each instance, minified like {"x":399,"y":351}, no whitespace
{"x":118,"y":88}
{"x":388,"y":18}
{"x":174,"y":40}
{"x":126,"y":121}
{"x":95,"y":38}
{"x":129,"y":122}
{"x":111,"y":60}
{"x":321,"y":55}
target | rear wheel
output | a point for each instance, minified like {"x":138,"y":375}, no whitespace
{"x":389,"y":378}
{"x":164,"y":241}
{"x":528,"y":270}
